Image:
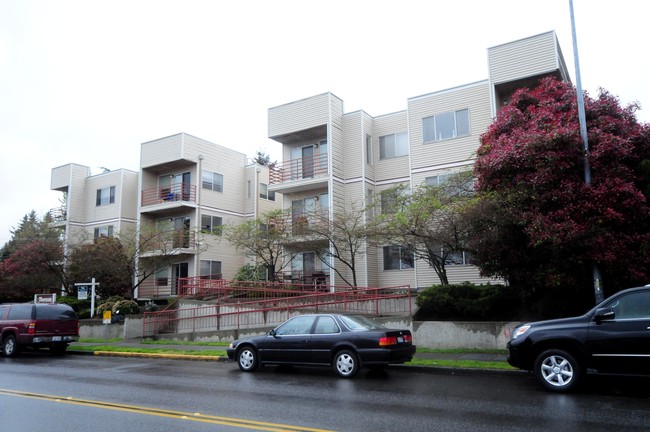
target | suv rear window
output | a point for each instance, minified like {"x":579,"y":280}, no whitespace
{"x":20,"y":312}
{"x":54,"y":312}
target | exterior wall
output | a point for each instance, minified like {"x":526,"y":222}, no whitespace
{"x":162,"y":150}
{"x":301,"y":115}
{"x":393,"y":168}
{"x":527,"y":57}
{"x":456,"y":151}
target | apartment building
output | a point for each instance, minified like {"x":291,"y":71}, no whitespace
{"x":186,"y":190}
{"x":333,"y":160}
{"x":190,"y":188}
{"x":94,"y":205}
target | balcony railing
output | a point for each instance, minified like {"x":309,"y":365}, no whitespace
{"x":58,"y":214}
{"x":169,"y":194}
{"x":298,"y":169}
{"x":169,"y":243}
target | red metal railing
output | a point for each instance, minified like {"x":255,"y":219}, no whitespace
{"x":298,"y":169}
{"x":258,"y":304}
{"x":169,"y":194}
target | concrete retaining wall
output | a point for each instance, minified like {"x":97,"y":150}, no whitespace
{"x":426,"y":334}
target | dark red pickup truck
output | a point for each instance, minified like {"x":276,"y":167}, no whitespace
{"x":51,"y":326}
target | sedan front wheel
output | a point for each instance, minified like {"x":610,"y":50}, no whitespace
{"x":247,"y":359}
{"x":557,"y":370}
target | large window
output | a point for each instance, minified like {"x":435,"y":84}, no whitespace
{"x":105,"y":231}
{"x":264,"y":192}
{"x":445,"y":126}
{"x":211,"y":224}
{"x":210,"y":269}
{"x":397,"y":258}
{"x":394,"y":145}
{"x":213,"y":181}
{"x":390,"y":200}
{"x":105,"y":196}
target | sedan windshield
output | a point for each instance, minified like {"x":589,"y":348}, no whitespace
{"x":359,"y":323}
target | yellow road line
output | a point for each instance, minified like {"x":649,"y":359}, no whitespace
{"x":199,"y":417}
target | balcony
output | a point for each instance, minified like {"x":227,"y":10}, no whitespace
{"x":296,"y":175}
{"x":177,"y":242}
{"x":58,"y":215}
{"x":171,"y":196}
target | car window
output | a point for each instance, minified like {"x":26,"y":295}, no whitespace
{"x":632,"y":306}
{"x":3,"y":310}
{"x":49,"y":312}
{"x":358,"y":323}
{"x":326,"y":325}
{"x":297,"y":325}
{"x":20,"y":312}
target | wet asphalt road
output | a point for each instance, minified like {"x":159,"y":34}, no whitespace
{"x":77,"y":393}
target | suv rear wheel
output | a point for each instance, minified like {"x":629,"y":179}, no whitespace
{"x":9,"y":346}
{"x":557,"y":370}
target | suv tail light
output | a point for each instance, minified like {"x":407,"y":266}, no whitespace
{"x":31,"y":329}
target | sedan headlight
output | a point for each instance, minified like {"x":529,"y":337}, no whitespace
{"x":520,"y":331}
{"x":232,"y":345}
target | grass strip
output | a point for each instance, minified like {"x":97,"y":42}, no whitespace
{"x":463,"y":364}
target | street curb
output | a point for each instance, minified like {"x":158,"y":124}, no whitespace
{"x":224,"y":359}
{"x":150,"y":355}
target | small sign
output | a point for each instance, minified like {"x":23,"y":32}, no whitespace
{"x":82,"y":292}
{"x":44,"y":298}
{"x":107,"y":317}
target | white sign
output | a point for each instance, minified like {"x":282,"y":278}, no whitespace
{"x":44,"y":298}
{"x":82,"y":292}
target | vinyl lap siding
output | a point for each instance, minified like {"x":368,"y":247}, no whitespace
{"x":352,"y":145}
{"x":523,"y":58}
{"x":302,"y":114}
{"x":393,"y":168}
{"x":475,"y":98}
{"x":162,"y":150}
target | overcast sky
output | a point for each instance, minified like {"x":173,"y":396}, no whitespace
{"x":89,"y":81}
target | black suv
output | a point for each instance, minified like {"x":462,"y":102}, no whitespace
{"x":612,"y":338}
{"x":52,"y":326}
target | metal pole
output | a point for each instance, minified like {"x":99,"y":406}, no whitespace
{"x":598,"y":292}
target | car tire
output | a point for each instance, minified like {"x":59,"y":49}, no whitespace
{"x":557,"y":370}
{"x":247,"y":359}
{"x":9,"y":346}
{"x":346,"y":364}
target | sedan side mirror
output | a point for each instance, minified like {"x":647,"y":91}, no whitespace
{"x":604,"y":314}
{"x":272,"y":333}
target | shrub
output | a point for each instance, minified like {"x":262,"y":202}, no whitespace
{"x":126,"y":307}
{"x":468,"y":302}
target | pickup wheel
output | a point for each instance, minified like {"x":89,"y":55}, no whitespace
{"x":9,"y":346}
{"x":557,"y":370}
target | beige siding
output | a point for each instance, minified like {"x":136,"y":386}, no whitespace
{"x":353,"y":141}
{"x":393,"y":168}
{"x":524,"y":58}
{"x":129,"y":195}
{"x":302,"y":114}
{"x":161,"y":151}
{"x":475,"y":98}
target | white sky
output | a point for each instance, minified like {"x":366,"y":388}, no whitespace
{"x":89,"y":81}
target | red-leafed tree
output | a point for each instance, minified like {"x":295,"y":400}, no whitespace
{"x":540,"y":225}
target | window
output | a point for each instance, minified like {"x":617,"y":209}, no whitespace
{"x":395,"y":145}
{"x":458,"y":258}
{"x":445,"y":126}
{"x":211,"y":224}
{"x":326,"y":325}
{"x":436,"y":180}
{"x":105,"y":231}
{"x":299,"y":325}
{"x":390,"y":200}
{"x":632,"y":306}
{"x":368,"y":149}
{"x":210,"y":269}
{"x":397,"y":258}
{"x":264,"y":192}
{"x":105,"y":196}
{"x":213,"y":181}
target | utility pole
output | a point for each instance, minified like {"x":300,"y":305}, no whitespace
{"x":598,"y":291}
